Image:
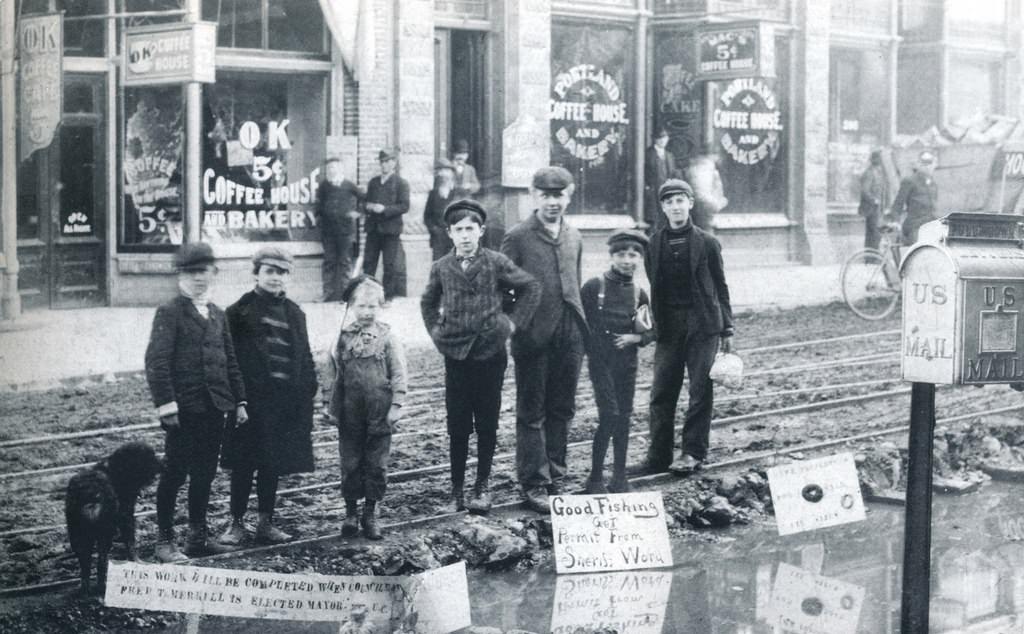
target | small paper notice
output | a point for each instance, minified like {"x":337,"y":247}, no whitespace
{"x":624,"y":531}
{"x":813,"y":494}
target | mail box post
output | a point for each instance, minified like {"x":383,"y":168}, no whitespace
{"x":963,"y":293}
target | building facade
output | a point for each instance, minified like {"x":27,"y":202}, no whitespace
{"x":580,"y":83}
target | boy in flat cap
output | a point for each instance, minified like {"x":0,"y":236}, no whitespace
{"x":272,"y":345}
{"x":462,"y":309}
{"x":387,"y":200}
{"x":337,"y":208}
{"x":611,"y":302}
{"x":194,"y":378}
{"x":549,"y":351}
{"x":692,"y":315}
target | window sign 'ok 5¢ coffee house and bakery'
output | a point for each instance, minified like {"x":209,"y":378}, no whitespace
{"x":169,"y":54}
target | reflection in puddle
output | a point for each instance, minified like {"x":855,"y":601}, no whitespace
{"x":840,"y":580}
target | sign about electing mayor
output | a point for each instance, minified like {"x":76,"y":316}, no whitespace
{"x":596,"y":533}
{"x":436,"y":600}
{"x":812,"y":494}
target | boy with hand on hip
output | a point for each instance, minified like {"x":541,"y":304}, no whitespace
{"x":195,"y":381}
{"x":462,"y":309}
{"x":368,"y":388}
{"x":611,"y":303}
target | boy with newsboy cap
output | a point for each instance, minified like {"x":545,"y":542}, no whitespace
{"x":462,"y":309}
{"x":692,"y":318}
{"x":611,"y":302}
{"x":549,"y":351}
{"x":272,"y":345}
{"x":194,"y":378}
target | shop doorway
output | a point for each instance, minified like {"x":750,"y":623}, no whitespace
{"x":461,"y":100}
{"x":62,"y":206}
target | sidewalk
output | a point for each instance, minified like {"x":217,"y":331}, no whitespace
{"x":44,"y":349}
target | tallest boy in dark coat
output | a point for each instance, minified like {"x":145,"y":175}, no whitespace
{"x":692,"y":315}
{"x":548,"y":353}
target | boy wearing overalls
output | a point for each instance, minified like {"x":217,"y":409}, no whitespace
{"x":368,"y":389}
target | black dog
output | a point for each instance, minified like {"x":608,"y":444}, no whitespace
{"x":101,"y":502}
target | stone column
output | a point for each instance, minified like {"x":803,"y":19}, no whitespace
{"x":811,"y":139}
{"x":414,"y":72}
{"x":527,"y":84}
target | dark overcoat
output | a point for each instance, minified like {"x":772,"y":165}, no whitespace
{"x":190,"y":360}
{"x":280,"y":418}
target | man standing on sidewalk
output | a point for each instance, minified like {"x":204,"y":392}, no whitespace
{"x":548,"y":352}
{"x":691,"y":315}
{"x":915,"y":201}
{"x":387,"y":200}
{"x":337,"y":202}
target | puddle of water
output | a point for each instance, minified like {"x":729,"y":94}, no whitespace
{"x":842,"y":580}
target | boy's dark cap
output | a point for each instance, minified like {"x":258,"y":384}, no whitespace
{"x":552,"y":178}
{"x":674,"y":186}
{"x":194,"y":256}
{"x":461,"y":147}
{"x":387,"y":153}
{"x":273,"y":256}
{"x":355,"y":283}
{"x":627,"y":237}
{"x":465,"y":203}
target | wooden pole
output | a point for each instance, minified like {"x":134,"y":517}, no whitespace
{"x":917,"y":531}
{"x":10,"y":300}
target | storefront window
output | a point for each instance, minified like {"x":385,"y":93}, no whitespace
{"x":591,"y":114}
{"x":974,"y":91}
{"x":263,"y":144}
{"x":279,"y":25}
{"x":749,"y":116}
{"x":679,"y":105}
{"x":151,"y":210}
{"x":858,"y":112}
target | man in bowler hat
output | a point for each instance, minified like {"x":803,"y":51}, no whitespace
{"x":548,"y":352}
{"x":692,"y":319}
{"x":387,"y":200}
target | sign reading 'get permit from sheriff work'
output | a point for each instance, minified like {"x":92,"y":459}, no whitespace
{"x":439,"y":598}
{"x":813,"y":494}
{"x":596,"y":533}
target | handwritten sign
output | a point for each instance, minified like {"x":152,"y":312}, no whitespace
{"x":439,"y":598}
{"x":41,"y":46}
{"x":815,"y":494}
{"x":805,"y":603}
{"x":624,"y":531}
{"x":612,"y":601}
{"x":524,"y":150}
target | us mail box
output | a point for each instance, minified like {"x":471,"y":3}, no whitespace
{"x":963,"y":297}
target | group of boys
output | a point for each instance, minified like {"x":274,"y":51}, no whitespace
{"x":553,"y":323}
{"x":245,"y":378}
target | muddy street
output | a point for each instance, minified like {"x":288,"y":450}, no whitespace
{"x":818,"y":381}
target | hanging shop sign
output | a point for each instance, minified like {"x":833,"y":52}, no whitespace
{"x":588,"y":109}
{"x":41,"y":47}
{"x":748,"y":120}
{"x":169,"y":54}
{"x":739,"y":50}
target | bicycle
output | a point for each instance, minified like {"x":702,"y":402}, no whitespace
{"x":871,"y":277}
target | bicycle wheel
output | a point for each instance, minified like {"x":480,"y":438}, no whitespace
{"x":866,"y":288}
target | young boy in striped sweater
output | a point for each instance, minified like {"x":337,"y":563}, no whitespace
{"x":462,"y":309}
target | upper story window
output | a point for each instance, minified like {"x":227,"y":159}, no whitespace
{"x":273,"y":25}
